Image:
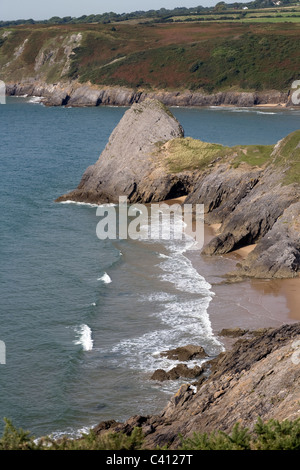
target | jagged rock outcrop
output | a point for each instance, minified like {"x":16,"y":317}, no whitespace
{"x":254,"y":204}
{"x":181,"y":370}
{"x":255,"y":213}
{"x":51,"y":95}
{"x":222,"y":189}
{"x":262,"y":209}
{"x":130,"y":164}
{"x":278,"y":253}
{"x":258,"y":377}
{"x":185,"y":353}
{"x":182,"y":353}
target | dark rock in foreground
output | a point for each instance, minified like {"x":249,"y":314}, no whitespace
{"x":259,"y":377}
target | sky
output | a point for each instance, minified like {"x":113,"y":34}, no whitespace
{"x":39,"y":10}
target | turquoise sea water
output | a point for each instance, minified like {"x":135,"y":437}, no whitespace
{"x":84,"y":320}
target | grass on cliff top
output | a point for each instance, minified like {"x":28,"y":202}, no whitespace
{"x":191,"y":154}
{"x":254,"y":155}
{"x":287,"y":154}
{"x":187,"y":154}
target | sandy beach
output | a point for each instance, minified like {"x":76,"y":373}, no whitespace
{"x":252,"y":303}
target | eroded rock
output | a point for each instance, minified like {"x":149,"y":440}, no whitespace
{"x":185,"y":353}
{"x":259,"y":377}
{"x":130,"y":164}
{"x":181,"y":370}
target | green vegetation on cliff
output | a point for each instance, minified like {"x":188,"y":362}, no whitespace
{"x":287,"y":154}
{"x":190,"y":154}
{"x":272,"y":435}
{"x":187,"y":154}
{"x":206,"y":57}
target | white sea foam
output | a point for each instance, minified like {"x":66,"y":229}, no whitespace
{"x":159,"y":297}
{"x":249,"y":110}
{"x":70,"y":433}
{"x":179,"y":271}
{"x":143,"y":352}
{"x":35,"y":99}
{"x":182,"y":311}
{"x":265,"y":112}
{"x":88,"y":204}
{"x":161,"y":255}
{"x":84,"y":337}
{"x":105,"y":278}
{"x":184,"y":319}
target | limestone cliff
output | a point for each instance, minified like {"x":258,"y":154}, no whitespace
{"x":72,"y":93}
{"x":130,"y":164}
{"x":253,"y":192}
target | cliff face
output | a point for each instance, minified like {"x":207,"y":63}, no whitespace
{"x":130,"y":164}
{"x":266,"y":213}
{"x":253,"y":192}
{"x":258,"y":377}
{"x":77,"y":95}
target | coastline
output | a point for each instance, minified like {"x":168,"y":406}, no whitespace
{"x":75,"y":94}
{"x":251,"y":303}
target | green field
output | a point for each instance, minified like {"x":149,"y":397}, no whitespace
{"x":205,"y":56}
{"x":267,"y":15}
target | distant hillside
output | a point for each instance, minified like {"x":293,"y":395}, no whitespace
{"x":162,"y":14}
{"x":207,"y":57}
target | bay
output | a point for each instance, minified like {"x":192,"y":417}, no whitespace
{"x":84,"y":320}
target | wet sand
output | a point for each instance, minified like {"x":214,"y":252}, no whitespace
{"x":252,"y":303}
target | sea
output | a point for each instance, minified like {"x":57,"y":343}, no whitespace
{"x":84,"y":320}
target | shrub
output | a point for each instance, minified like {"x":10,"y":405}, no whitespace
{"x":272,"y":435}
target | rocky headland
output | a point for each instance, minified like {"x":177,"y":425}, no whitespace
{"x":250,"y":192}
{"x":259,"y":377}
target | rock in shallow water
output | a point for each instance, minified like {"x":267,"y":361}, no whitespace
{"x":181,"y":370}
{"x":185,"y":353}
